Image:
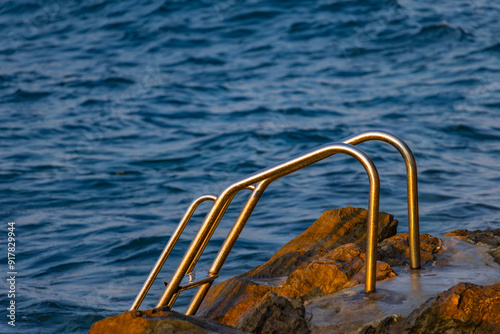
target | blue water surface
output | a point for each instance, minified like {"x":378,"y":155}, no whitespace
{"x":114,"y":115}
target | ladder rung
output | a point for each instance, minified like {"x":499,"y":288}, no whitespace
{"x":195,"y":279}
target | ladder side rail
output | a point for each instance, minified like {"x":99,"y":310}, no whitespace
{"x":168,"y":249}
{"x":188,"y":261}
{"x":277,"y":171}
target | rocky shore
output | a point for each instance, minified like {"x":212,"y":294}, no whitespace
{"x":313,"y":284}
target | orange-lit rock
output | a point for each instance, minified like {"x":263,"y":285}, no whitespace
{"x":293,"y":291}
{"x":334,"y":228}
{"x":158,"y":321}
{"x":229,"y":301}
{"x":464,"y":308}
{"x":396,"y":250}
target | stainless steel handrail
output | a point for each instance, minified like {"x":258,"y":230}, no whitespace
{"x":258,"y":184}
{"x":413,"y":217}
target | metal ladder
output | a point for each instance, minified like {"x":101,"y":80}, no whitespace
{"x":184,"y":278}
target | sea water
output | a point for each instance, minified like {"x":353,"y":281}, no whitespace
{"x":115,"y":115}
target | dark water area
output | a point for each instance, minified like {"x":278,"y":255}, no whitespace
{"x":114,"y":115}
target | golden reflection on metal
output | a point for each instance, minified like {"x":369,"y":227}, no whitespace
{"x":258,"y":183}
{"x":272,"y":173}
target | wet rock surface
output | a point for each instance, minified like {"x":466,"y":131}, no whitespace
{"x":488,"y":237}
{"x":352,"y":311}
{"x":158,"y":321}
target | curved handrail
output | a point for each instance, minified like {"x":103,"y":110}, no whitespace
{"x":213,"y":217}
{"x":412,"y":189}
{"x":411,"y":181}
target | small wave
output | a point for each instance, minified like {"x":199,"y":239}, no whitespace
{"x":133,"y":245}
{"x":492,"y":104}
{"x":66,"y":268}
{"x":258,"y":110}
{"x":90,"y":8}
{"x":254,"y":16}
{"x":205,"y":61}
{"x":110,"y":82}
{"x":238,"y":33}
{"x":468,"y":131}
{"x":19,"y":8}
{"x":265,"y":47}
{"x":493,"y":48}
{"x":169,"y":7}
{"x":119,"y":25}
{"x":175,"y":42}
{"x":21,"y":95}
{"x":442,"y":30}
{"x":93,"y":102}
{"x":101,"y":184}
{"x":423,"y":36}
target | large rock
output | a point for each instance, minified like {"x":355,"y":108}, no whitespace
{"x":328,"y":256}
{"x":158,"y":321}
{"x":488,"y":237}
{"x":464,"y":308}
{"x":229,"y":301}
